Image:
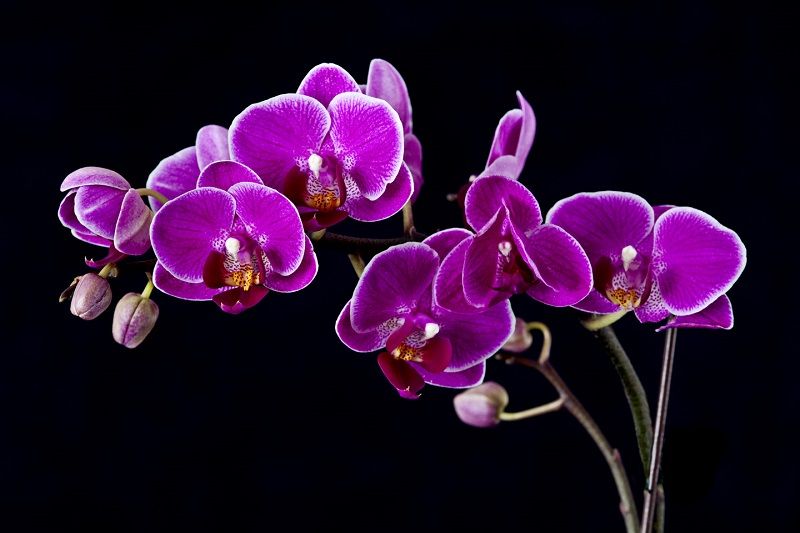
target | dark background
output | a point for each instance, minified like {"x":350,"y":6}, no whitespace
{"x":242,"y":423}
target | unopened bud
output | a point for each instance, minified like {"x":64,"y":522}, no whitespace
{"x":134,"y":318}
{"x":481,"y":406}
{"x":520,"y":340}
{"x":91,"y":296}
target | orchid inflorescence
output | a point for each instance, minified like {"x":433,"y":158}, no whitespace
{"x":238,"y":214}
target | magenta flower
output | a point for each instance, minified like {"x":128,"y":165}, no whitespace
{"x":511,"y":253}
{"x":392,"y":309}
{"x":333,"y":151}
{"x":178,"y":173}
{"x":230,"y":240}
{"x":101,"y":208}
{"x":384,"y":82}
{"x":657,"y":261}
{"x":512,"y":142}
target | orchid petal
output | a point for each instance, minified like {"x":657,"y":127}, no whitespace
{"x":396,"y":195}
{"x":97,"y":208}
{"x":695,"y":259}
{"x":94,"y":176}
{"x":368,"y":139}
{"x":325,"y":81}
{"x":444,"y":241}
{"x":384,"y":82}
{"x":487,"y":195}
{"x":368,"y":341}
{"x":403,"y":377}
{"x":169,"y":284}
{"x":132,"y":232}
{"x":211,"y":145}
{"x":412,"y":156}
{"x":224,"y":174}
{"x":188,"y":228}
{"x":66,"y":214}
{"x":300,"y":278}
{"x":460,"y":379}
{"x":595,"y":302}
{"x":476,"y":336}
{"x":174,"y":175}
{"x":718,"y":315}
{"x":561,"y":265}
{"x":448,"y":285}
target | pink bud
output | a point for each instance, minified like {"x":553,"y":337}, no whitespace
{"x":481,"y":406}
{"x":92,"y":296}
{"x":520,"y":340}
{"x":134,"y":318}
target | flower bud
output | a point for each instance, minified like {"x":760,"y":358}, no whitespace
{"x":134,"y":318}
{"x":481,"y":406}
{"x":91,"y":296}
{"x":520,"y":340}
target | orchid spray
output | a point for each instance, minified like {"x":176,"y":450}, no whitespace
{"x":240,"y":212}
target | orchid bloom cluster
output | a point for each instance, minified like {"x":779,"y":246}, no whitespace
{"x":237,"y":215}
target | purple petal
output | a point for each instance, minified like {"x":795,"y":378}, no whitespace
{"x":384,"y":82}
{"x":653,"y":308}
{"x":300,"y":278}
{"x":718,"y":315}
{"x":273,"y":222}
{"x":695,"y":258}
{"x":235,"y":301}
{"x":401,"y":375}
{"x":184,"y":231}
{"x":476,"y":336}
{"x":368,"y":341}
{"x":113,"y":256}
{"x":211,"y":145}
{"x":595,"y":302}
{"x":392,"y":284}
{"x":487,"y":195}
{"x":325,"y":81}
{"x":91,"y":238}
{"x":368,"y":139}
{"x":174,"y":175}
{"x":97,"y":208}
{"x":461,"y":379}
{"x":506,"y":136}
{"x":561,"y":264}
{"x":132,"y":234}
{"x":169,"y":284}
{"x":604,"y":222}
{"x":274,"y":136}
{"x":444,"y":241}
{"x":396,"y":195}
{"x":448,"y":285}
{"x":512,"y":141}
{"x":224,"y":174}
{"x":481,"y":263}
{"x":412,"y":156}
{"x":95,"y":176}
{"x":66,"y":214}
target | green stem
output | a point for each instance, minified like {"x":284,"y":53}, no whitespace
{"x":144,"y":191}
{"x":534,"y":411}
{"x":149,"y":287}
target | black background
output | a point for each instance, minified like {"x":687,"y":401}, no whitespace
{"x":243,"y":423}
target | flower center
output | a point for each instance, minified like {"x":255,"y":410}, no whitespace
{"x":622,"y":279}
{"x":322,"y":188}
{"x":512,"y":275}
{"x":243,"y":265}
{"x":416,"y":340}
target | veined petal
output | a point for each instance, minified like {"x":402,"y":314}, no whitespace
{"x":718,"y":315}
{"x":481,"y":265}
{"x":97,"y":208}
{"x":487,"y":195}
{"x":368,"y":139}
{"x":300,"y":278}
{"x":392,"y":284}
{"x":448,"y":285}
{"x":132,"y":233}
{"x":325,"y":81}
{"x":596,"y":303}
{"x":460,"y":379}
{"x":273,"y":222}
{"x":91,"y":238}
{"x":506,"y":136}
{"x":236,"y":300}
{"x":412,"y":156}
{"x":66,"y":214}
{"x":561,"y":264}
{"x":211,"y":145}
{"x":276,"y":135}
{"x":397,"y":193}
{"x":604,"y":222}
{"x":653,"y":308}
{"x":169,"y":284}
{"x":476,"y":336}
{"x":384,"y":82}
{"x":94,"y":176}
{"x":512,"y":141}
{"x":369,"y":341}
{"x":174,"y":175}
{"x":695,"y":259}
{"x":444,"y":241}
{"x":224,"y":174}
{"x":187,"y":229}
{"x":403,"y":377}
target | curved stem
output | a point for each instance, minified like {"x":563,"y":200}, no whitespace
{"x":650,"y":495}
{"x":634,"y":392}
{"x":149,"y":287}
{"x":357,"y":263}
{"x":534,"y":411}
{"x":144,"y":191}
{"x":358,"y":245}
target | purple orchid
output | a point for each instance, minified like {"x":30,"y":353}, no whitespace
{"x":386,"y":83}
{"x":333,"y":151}
{"x":102,"y":208}
{"x":657,"y":261}
{"x":512,"y":142}
{"x":230,"y":240}
{"x":178,"y":173}
{"x":392,"y":309}
{"x":512,"y":252}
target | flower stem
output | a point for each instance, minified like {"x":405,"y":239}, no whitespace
{"x":360,"y":245}
{"x":107,"y":270}
{"x":555,"y":405}
{"x":408,"y":219}
{"x":358,"y":263}
{"x":651,"y":493}
{"x":144,"y":191}
{"x":148,"y":289}
{"x":634,"y":392}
